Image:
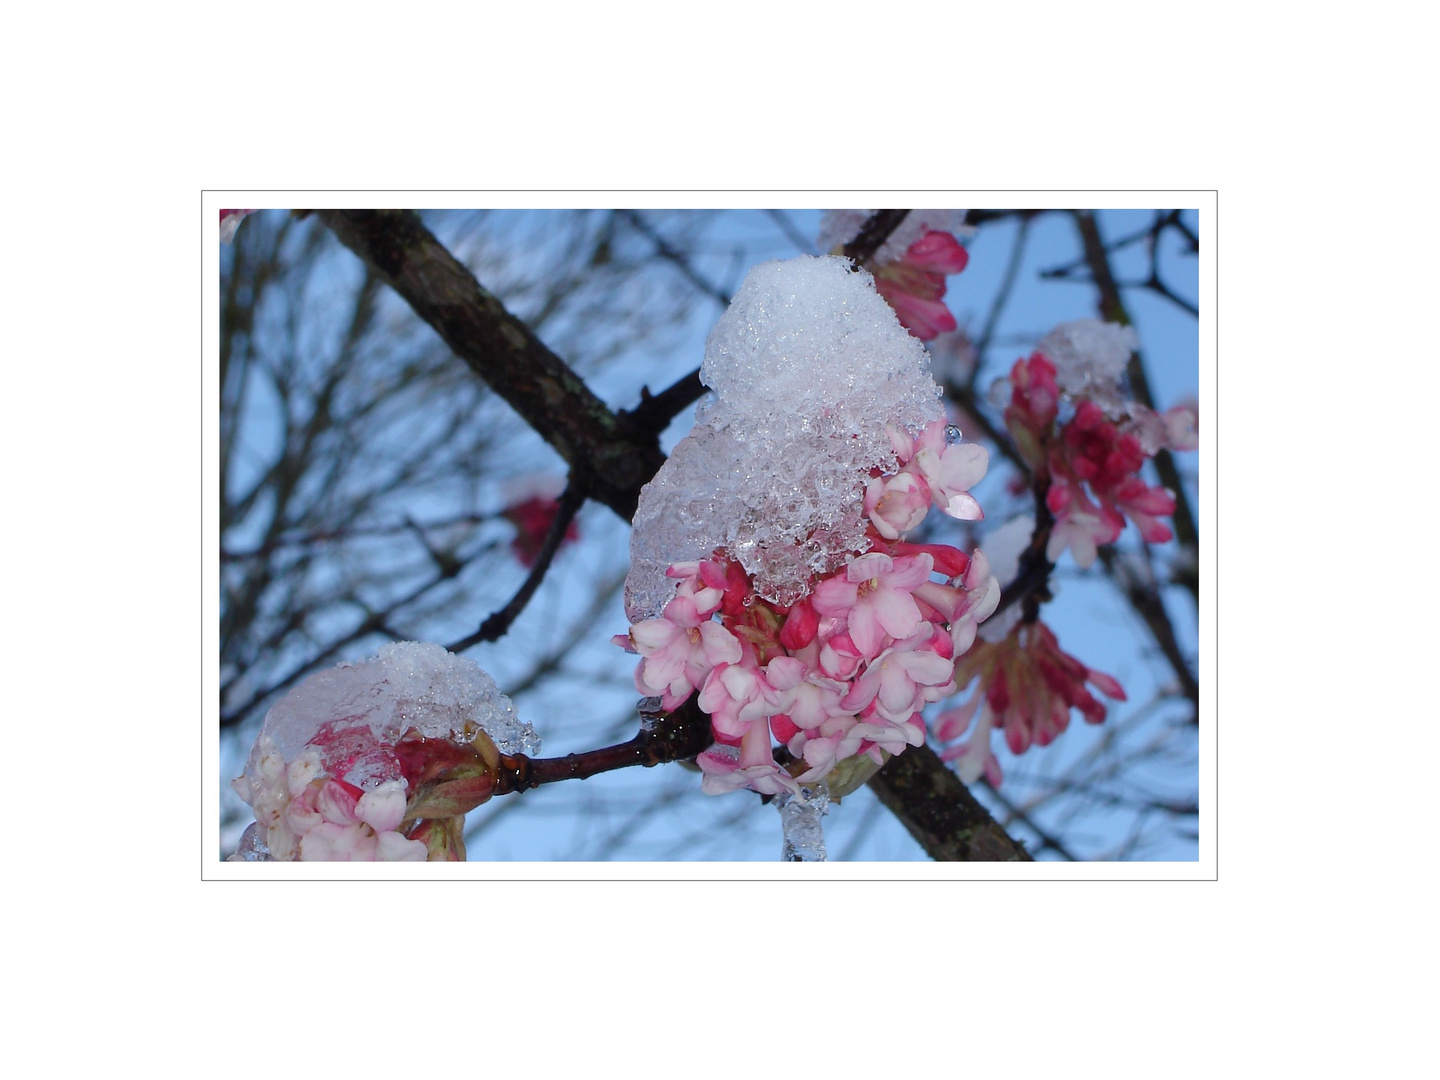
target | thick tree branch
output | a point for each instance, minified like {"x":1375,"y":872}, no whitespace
{"x":609,"y":460}
{"x":939,"y":811}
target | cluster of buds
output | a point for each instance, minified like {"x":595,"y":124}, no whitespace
{"x":840,"y":677}
{"x":910,"y":267}
{"x":1026,"y":688}
{"x":914,"y":284}
{"x":1092,"y":465}
{"x":378,"y":760}
{"x":305,"y":812}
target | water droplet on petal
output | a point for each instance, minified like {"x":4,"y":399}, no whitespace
{"x":952,"y":434}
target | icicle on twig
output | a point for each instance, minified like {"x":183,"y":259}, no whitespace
{"x":800,"y":818}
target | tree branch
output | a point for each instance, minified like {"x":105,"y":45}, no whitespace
{"x":675,"y":736}
{"x":1112,"y":309}
{"x":873,"y":234}
{"x":939,"y":811}
{"x":610,"y":460}
{"x":498,"y":623}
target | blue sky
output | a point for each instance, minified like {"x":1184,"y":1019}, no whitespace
{"x":1087,"y":616}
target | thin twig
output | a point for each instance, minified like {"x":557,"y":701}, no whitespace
{"x":496,"y":625}
{"x":873,"y":234}
{"x":667,"y":252}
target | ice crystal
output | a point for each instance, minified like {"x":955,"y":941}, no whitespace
{"x":807,"y":367}
{"x":409,"y":684}
{"x":800,"y":819}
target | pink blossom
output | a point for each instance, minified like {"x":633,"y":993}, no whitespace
{"x":948,"y":471}
{"x":350,"y":825}
{"x":965,"y":603}
{"x":914,"y":284}
{"x":801,"y":625}
{"x":1079,"y":526}
{"x":703,"y":582}
{"x":680,"y":649}
{"x":975,"y":757}
{"x":1141,"y":503}
{"x":896,"y":504}
{"x":891,"y":736}
{"x":736,"y":696}
{"x":840,"y":657}
{"x":1034,"y":405}
{"x":1028,"y":687}
{"x":875,"y":598}
{"x":385,"y":763}
{"x":902,"y":679}
{"x":951,"y":473}
{"x":724,"y":772}
{"x":805,"y":695}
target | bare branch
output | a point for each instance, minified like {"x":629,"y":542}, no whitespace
{"x":607,"y":460}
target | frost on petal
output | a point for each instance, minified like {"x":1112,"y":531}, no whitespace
{"x":808,"y":367}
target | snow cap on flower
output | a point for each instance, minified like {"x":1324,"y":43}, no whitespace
{"x":1089,"y":358}
{"x":808,"y":365}
{"x":342,"y":757}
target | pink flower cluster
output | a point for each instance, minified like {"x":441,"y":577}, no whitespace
{"x":305,"y":813}
{"x":1026,"y":688}
{"x":1092,"y":466}
{"x":845,"y":672}
{"x":914,"y":284}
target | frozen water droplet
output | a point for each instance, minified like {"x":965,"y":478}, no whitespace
{"x":952,"y":434}
{"x":650,"y":711}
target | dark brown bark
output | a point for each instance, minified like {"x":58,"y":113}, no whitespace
{"x":608,"y":459}
{"x":939,"y":811}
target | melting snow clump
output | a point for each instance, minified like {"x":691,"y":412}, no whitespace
{"x":409,"y":684}
{"x":1089,"y":358}
{"x":807,"y":366}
